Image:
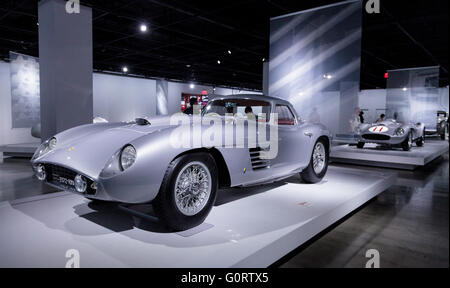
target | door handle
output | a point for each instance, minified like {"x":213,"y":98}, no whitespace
{"x":309,"y":134}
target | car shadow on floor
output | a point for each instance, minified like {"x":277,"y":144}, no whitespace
{"x":119,"y":218}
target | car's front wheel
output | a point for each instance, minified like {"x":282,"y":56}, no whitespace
{"x":318,"y":164}
{"x":407,"y":144}
{"x":188,"y":191}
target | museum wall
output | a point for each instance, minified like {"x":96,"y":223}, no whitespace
{"x":314,"y":53}
{"x":118,"y":98}
{"x":9,"y":135}
{"x":372,"y":103}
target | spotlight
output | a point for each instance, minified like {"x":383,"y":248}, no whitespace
{"x":143,"y":28}
{"x":218,"y":62}
{"x":327,"y":76}
{"x":263,"y":59}
{"x":229,"y":52}
{"x":405,"y":89}
{"x":125,"y":69}
{"x":192,"y":86}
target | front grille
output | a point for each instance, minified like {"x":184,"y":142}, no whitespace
{"x":64,"y":178}
{"x":376,"y":137}
{"x":257,"y":162}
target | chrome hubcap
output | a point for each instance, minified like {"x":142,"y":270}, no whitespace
{"x":192,"y":188}
{"x":319,"y":158}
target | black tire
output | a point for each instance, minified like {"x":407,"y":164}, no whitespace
{"x":308,"y":175}
{"x":421,"y":141}
{"x":98,"y":201}
{"x":360,"y":145}
{"x":406,"y":145}
{"x":164,"y":204}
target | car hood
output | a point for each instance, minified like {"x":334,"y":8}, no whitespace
{"x":390,"y":126}
{"x":87,"y":148}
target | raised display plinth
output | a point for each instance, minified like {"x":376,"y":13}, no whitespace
{"x":373,"y":155}
{"x":248,"y":227}
{"x":21,"y":150}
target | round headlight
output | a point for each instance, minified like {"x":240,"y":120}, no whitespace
{"x":80,"y":183}
{"x":127,"y":157}
{"x":52,"y":143}
{"x":400,"y":131}
{"x":40,"y":172}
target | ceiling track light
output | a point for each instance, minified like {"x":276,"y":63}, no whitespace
{"x":143,"y":28}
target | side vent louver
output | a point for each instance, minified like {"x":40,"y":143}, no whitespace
{"x":257,"y":162}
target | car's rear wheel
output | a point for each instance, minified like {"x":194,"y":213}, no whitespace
{"x":188,"y":191}
{"x":360,"y":145}
{"x":444,"y":132}
{"x":407,"y":144}
{"x":318,"y":164}
{"x":421,"y":141}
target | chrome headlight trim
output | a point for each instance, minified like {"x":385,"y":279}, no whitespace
{"x":52,"y":143}
{"x":112,"y":167}
{"x":44,"y":148}
{"x":127,"y":157}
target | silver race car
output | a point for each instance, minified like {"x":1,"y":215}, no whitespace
{"x":139,"y":162}
{"x":391,"y":133}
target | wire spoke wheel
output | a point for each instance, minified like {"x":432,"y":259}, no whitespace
{"x":319,"y":158}
{"x":192,"y":188}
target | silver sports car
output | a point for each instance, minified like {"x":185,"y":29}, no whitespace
{"x":391,"y":133}
{"x":139,"y":162}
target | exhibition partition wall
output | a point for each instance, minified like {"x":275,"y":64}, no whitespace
{"x":413,"y":95}
{"x":315,"y":63}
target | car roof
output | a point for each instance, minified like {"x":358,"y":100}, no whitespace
{"x":252,"y":97}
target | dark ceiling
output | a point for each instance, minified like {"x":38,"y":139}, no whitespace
{"x":187,"y":37}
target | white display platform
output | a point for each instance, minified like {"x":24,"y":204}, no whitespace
{"x":248,"y":227}
{"x":373,"y":155}
{"x":21,"y":149}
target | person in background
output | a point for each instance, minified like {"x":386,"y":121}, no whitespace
{"x":314,"y":116}
{"x":355,"y":120}
{"x":190,"y":109}
{"x":381,"y":119}
{"x":361,"y":116}
{"x":249,"y":113}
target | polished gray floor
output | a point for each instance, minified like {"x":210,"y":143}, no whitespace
{"x":407,"y":224}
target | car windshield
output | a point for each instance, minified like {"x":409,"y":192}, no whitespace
{"x":250,"y":109}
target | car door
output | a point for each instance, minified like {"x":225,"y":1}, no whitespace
{"x":291,"y":139}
